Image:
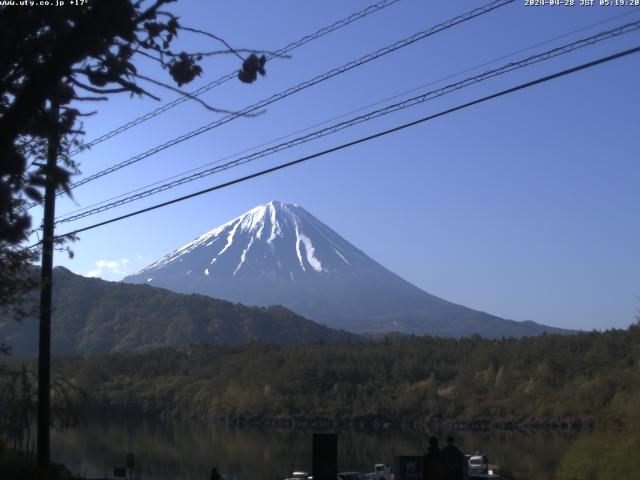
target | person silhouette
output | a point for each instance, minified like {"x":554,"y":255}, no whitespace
{"x":453,"y":460}
{"x":214,"y":474}
{"x":433,"y":464}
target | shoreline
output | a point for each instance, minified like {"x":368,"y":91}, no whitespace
{"x":370,"y":423}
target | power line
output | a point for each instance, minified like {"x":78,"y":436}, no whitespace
{"x":360,"y":109}
{"x":555,"y":52}
{"x":290,"y":91}
{"x":231,"y":75}
{"x":521,"y":86}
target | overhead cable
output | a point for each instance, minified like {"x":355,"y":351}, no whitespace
{"x":346,"y":114}
{"x":231,"y":75}
{"x":290,"y":91}
{"x":343,"y":146}
{"x":533,"y":59}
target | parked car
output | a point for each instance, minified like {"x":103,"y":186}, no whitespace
{"x":478,"y":465}
{"x":382,"y":472}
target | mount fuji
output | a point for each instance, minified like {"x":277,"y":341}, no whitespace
{"x":279,"y":253}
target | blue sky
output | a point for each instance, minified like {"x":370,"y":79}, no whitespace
{"x":525,"y":207}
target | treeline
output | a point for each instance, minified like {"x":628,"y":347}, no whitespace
{"x":92,"y":316}
{"x":535,"y":380}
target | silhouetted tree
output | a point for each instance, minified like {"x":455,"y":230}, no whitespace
{"x":18,"y":406}
{"x":72,"y":55}
{"x":68,"y":56}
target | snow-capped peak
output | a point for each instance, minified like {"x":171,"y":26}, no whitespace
{"x":273,"y":237}
{"x":280,"y":254}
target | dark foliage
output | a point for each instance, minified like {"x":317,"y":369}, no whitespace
{"x":18,"y":406}
{"x":251,"y":67}
{"x":585,"y":376}
{"x":93,"y":316}
{"x":66,"y":56}
{"x":60,"y":58}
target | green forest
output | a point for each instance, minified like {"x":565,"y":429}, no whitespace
{"x":94,"y":316}
{"x":534,"y":380}
{"x":589,"y":381}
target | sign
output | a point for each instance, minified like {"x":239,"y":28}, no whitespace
{"x":130,"y":460}
{"x":409,"y":467}
{"x":119,"y":472}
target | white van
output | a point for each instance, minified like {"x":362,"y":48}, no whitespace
{"x":478,"y":465}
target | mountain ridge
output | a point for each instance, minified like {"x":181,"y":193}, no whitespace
{"x":94,"y":316}
{"x":278,"y":253}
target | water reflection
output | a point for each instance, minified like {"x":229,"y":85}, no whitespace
{"x":187,"y":450}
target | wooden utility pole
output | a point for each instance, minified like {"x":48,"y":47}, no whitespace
{"x":46,"y":284}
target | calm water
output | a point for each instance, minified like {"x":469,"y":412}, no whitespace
{"x":187,"y":450}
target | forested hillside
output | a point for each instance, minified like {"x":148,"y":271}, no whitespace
{"x":528,"y":381}
{"x":92,"y":316}
{"x":581,"y":381}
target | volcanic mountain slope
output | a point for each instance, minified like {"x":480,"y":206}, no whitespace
{"x":279,"y":253}
{"x":92,"y":316}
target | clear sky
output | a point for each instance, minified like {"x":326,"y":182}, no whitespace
{"x":526,"y":207}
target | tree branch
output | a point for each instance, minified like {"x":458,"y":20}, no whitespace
{"x":148,"y":55}
{"x":182,"y":92}
{"x":90,"y":99}
{"x":151,"y":11}
{"x":243,"y":50}
{"x":215,"y":37}
{"x":91,"y":89}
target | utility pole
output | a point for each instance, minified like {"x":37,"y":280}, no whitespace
{"x":46,"y":284}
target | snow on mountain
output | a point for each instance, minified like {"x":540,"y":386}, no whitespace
{"x":279,"y":253}
{"x":273,"y":239}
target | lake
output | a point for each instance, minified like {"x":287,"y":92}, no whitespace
{"x":184,"y":449}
